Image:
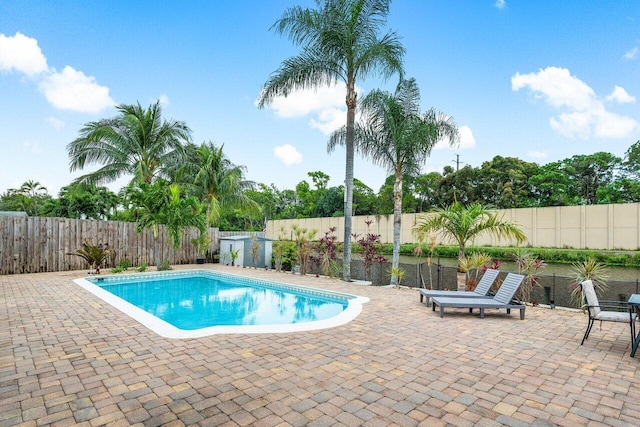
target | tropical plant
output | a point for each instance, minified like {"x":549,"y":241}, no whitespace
{"x":340,"y":41}
{"x":201,"y":243}
{"x":234,"y":256}
{"x":29,"y":198}
{"x":219,"y":183}
{"x":255,"y":251}
{"x":137,"y":142}
{"x":161,"y":203}
{"x":95,"y":255}
{"x":164,"y":266}
{"x":327,"y":249}
{"x":398,"y":274}
{"x":462,"y":224}
{"x":395,"y":135}
{"x":472,"y":266}
{"x":592,"y":270}
{"x":369,"y":250}
{"x":529,"y":266}
{"x":304,"y":246}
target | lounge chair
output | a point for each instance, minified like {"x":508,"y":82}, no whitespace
{"x":605,"y":311}
{"x":483,"y":288}
{"x":502,"y":299}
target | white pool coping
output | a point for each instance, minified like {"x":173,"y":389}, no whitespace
{"x":167,"y":330}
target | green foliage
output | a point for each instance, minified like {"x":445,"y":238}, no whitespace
{"x":94,"y":255}
{"x":592,"y":270}
{"x":529,"y":266}
{"x":341,"y":41}
{"x":398,"y":274}
{"x":164,"y":266}
{"x":462,"y":224}
{"x":31,"y":197}
{"x":83,"y":200}
{"x":137,"y":142}
{"x":116,"y":270}
{"x":304,"y":246}
{"x":124,"y":263}
{"x":143,"y":267}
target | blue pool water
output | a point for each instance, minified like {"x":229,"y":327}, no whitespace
{"x":191,"y":301}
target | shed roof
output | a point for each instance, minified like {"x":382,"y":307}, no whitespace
{"x":237,"y":238}
{"x":13,"y":213}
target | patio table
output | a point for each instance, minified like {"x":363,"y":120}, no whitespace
{"x":634,"y":306}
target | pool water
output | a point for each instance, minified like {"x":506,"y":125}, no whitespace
{"x":195,"y":303}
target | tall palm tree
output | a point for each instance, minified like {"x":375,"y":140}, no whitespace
{"x":137,"y":142}
{"x":217,"y":181}
{"x":394,"y":135}
{"x":462,"y":224}
{"x":340,"y":41}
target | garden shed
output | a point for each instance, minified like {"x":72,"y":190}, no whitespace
{"x":242,"y":248}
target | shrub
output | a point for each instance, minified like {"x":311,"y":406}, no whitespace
{"x":116,"y":270}
{"x":143,"y":267}
{"x":164,"y":266}
{"x":124,"y":264}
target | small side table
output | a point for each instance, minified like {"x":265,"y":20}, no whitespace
{"x":634,"y":307}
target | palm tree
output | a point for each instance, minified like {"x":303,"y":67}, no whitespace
{"x":217,"y":181}
{"x":161,"y":203}
{"x":463,"y":224}
{"x":396,"y":136}
{"x":137,"y":142}
{"x":340,"y":42}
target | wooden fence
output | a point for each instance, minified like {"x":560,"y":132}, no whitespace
{"x":39,"y":244}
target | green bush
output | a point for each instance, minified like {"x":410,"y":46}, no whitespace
{"x":164,"y":266}
{"x":143,"y":267}
{"x":124,"y":263}
{"x":116,"y":270}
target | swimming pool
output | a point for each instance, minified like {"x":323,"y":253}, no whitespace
{"x":197,"y":303}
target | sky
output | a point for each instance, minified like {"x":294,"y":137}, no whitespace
{"x":541,"y":81}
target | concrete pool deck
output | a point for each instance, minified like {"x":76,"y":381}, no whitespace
{"x":68,"y":358}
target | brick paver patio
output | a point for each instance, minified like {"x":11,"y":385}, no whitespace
{"x":67,"y":358}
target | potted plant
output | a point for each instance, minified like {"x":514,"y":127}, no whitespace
{"x":201,"y":244}
{"x":234,"y":256}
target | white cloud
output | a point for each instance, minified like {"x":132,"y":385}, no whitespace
{"x":164,"y":100}
{"x":537,"y":154}
{"x":500,"y":4}
{"x":32,"y":146}
{"x":582,"y":113}
{"x":57,"y":124}
{"x":325,"y":104}
{"x":621,"y":96}
{"x":288,"y":154}
{"x":632,"y":54}
{"x":21,"y":53}
{"x":73,"y":90}
{"x":329,"y":120}
{"x":467,"y":140}
{"x":66,"y":90}
{"x":558,"y":87}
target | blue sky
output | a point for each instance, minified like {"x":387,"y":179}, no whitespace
{"x":541,"y":81}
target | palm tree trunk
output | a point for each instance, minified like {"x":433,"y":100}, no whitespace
{"x":348,"y":181}
{"x":156,"y":250}
{"x":397,"y":220}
